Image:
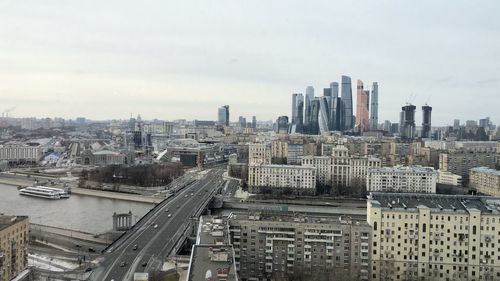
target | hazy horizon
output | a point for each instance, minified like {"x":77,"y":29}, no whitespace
{"x":182,"y":60}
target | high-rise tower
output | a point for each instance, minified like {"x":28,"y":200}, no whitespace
{"x":346,"y":92}
{"x":374,"y":107}
{"x":298,"y":109}
{"x":334,"y":92}
{"x":362,"y":104}
{"x":426,"y":121}
{"x":223,"y":115}
{"x":307,"y":107}
{"x":407,"y":126}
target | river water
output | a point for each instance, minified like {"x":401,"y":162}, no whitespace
{"x":79,"y":212}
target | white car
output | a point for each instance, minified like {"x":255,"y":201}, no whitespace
{"x":169,"y":215}
{"x":155,"y":225}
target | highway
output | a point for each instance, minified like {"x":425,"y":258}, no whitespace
{"x":157,"y":233}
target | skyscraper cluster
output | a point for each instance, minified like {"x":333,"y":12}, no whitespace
{"x":332,"y":112}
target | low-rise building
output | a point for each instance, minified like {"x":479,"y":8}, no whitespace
{"x":434,"y":237}
{"x":13,"y":246}
{"x":402,"y":179}
{"x":276,"y":246}
{"x":263,"y":178}
{"x":485,"y":180}
{"x":105,"y":158}
{"x":448,"y":178}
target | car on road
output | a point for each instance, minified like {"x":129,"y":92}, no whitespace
{"x":166,"y":210}
{"x":169,"y":215}
{"x":123,"y":264}
{"x":144,"y":264}
{"x":155,"y":225}
{"x":192,"y":193}
{"x":91,"y":250}
{"x":88,"y":269}
{"x":185,"y":196}
{"x":135,"y":247}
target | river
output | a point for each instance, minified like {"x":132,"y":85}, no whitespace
{"x":79,"y":212}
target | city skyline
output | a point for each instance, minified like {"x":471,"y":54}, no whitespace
{"x":77,"y":60}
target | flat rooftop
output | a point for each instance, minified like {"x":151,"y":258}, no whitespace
{"x":7,"y":221}
{"x":404,"y":169}
{"x":440,"y":202}
{"x":296,"y":218}
{"x":487,"y":170}
{"x":216,"y":261}
{"x":212,"y":256}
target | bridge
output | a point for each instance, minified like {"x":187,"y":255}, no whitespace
{"x":160,"y":232}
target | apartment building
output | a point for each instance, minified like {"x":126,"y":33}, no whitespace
{"x":359,"y":167}
{"x":485,"y":181}
{"x":340,"y":168}
{"x":264,"y":178}
{"x":13,"y":246}
{"x":20,"y":154}
{"x":402,"y":179}
{"x":434,"y":237}
{"x":274,"y":246}
{"x":460,"y":162}
{"x":259,"y":153}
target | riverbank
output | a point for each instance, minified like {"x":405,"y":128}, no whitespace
{"x":17,"y":180}
{"x":116,"y":195}
{"x":81,"y":235}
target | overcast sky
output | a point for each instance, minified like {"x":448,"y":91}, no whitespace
{"x":183,"y":59}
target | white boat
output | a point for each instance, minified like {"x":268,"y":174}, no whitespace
{"x":44,"y":192}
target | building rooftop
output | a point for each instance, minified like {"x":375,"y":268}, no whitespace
{"x":438,"y":202}
{"x":213,"y":254}
{"x":277,"y":216}
{"x":298,"y":167}
{"x":7,"y":221}
{"x":403,"y":169}
{"x":487,"y":171}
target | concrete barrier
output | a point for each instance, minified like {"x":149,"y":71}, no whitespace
{"x":70,"y":233}
{"x":116,"y":195}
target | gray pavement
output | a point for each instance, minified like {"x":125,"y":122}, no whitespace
{"x":157,"y":234}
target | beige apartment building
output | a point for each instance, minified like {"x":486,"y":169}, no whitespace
{"x":294,"y":179}
{"x":434,"y":237}
{"x":402,"y":179}
{"x":276,"y":246}
{"x":259,"y":153}
{"x":13,"y":246}
{"x":485,"y":180}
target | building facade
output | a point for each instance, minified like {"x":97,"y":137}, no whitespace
{"x":434,"y":237}
{"x":282,"y":179}
{"x":259,"y":153}
{"x":448,"y":178}
{"x":485,"y":180}
{"x":460,"y":162}
{"x":402,"y":179}
{"x":13,"y":246}
{"x":277,"y":246}
{"x":20,"y":154}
